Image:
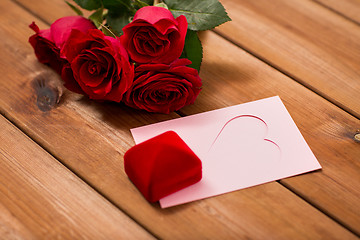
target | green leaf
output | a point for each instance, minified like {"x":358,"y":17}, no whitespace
{"x":193,"y":49}
{"x":119,"y":14}
{"x":118,"y":20}
{"x":140,"y":4}
{"x":75,"y":9}
{"x":200,"y":14}
{"x":89,"y":4}
{"x":107,"y":31}
{"x":116,"y":5}
{"x":97,"y":17}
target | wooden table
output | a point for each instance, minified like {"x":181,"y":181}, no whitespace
{"x":61,"y":171}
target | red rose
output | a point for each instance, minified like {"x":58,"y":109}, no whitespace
{"x":154,"y":36}
{"x":98,"y":65}
{"x":163,"y":88}
{"x":48,"y":43}
{"x":61,"y":28}
{"x":45,"y":49}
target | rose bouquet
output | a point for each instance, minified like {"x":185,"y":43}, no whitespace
{"x":144,"y":53}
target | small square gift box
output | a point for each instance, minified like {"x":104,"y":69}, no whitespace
{"x":162,"y":165}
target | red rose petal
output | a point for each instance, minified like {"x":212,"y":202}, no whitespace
{"x":152,"y":14}
{"x":154,"y":36}
{"x":61,"y":28}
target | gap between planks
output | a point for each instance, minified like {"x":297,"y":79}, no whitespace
{"x":316,"y":206}
{"x":31,"y":12}
{"x":337,"y":12}
{"x":286,"y":186}
{"x":289,"y":75}
{"x":54,"y":156}
{"x":77,"y":175}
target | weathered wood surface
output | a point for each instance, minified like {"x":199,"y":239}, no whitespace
{"x":41,"y":199}
{"x":348,"y":8}
{"x":328,"y":130}
{"x":90,"y":138}
{"x":312,"y":44}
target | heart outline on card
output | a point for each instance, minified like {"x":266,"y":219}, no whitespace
{"x":276,"y":128}
{"x":221,"y":173}
{"x":239,"y":116}
{"x":227,"y":159}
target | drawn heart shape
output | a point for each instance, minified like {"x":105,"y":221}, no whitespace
{"x":239,"y":154}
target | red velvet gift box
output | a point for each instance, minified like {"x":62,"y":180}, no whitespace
{"x":162,"y":165}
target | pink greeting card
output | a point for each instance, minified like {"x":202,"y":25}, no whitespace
{"x":239,"y":146}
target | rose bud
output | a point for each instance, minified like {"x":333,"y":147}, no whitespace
{"x":154,"y":36}
{"x":98,"y":65}
{"x":45,"y":48}
{"x":164,"y":88}
{"x":47,"y":43}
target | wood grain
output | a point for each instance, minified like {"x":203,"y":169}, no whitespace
{"x":40,"y":198}
{"x":328,"y":130}
{"x":310,"y":43}
{"x":348,"y":8}
{"x":232,"y":77}
{"x":91,"y":138}
{"x":53,"y":9}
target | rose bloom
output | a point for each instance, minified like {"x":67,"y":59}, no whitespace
{"x":48,"y":43}
{"x":154,"y":36}
{"x":98,"y":65}
{"x":164,"y":88}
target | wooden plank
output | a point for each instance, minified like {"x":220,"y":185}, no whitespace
{"x":312,"y":44}
{"x":11,"y":227}
{"x":348,"y":8}
{"x":232,"y":77}
{"x":56,"y":8}
{"x":259,"y":212}
{"x":40,"y":198}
